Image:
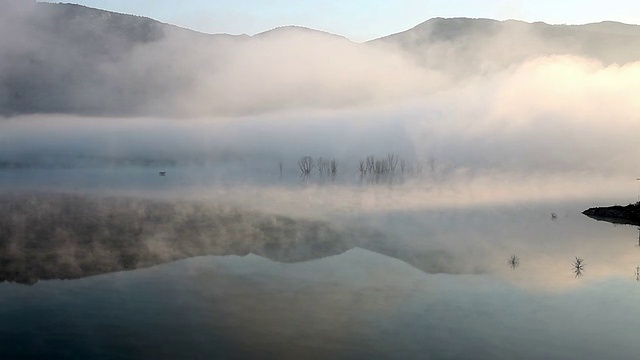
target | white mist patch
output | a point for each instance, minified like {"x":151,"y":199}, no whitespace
{"x":298,"y":69}
{"x":458,"y":191}
{"x":575,"y":89}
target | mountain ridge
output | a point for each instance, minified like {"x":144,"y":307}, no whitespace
{"x":68,"y":58}
{"x":294,"y":27}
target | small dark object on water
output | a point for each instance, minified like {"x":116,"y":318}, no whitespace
{"x":578,"y":266}
{"x":162,"y":173}
{"x":554,"y":216}
{"x":514,"y":261}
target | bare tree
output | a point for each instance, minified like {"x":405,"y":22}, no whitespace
{"x":306,"y":164}
{"x":392,"y":161}
{"x":333,"y":166}
{"x":322,"y":165}
{"x":514,"y":261}
{"x":362,"y":166}
{"x":370,"y":163}
{"x":578,"y":266}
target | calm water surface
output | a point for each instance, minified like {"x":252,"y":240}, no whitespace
{"x":438,"y":281}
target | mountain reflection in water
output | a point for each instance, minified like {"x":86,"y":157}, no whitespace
{"x":73,"y":236}
{"x":517,"y":289}
{"x":70,"y":236}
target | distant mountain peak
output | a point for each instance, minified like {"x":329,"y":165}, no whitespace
{"x":445,"y":29}
{"x":292,"y":29}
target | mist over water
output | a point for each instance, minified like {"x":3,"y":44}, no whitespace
{"x":160,"y":175}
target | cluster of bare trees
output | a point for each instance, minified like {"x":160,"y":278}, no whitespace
{"x":371,"y":165}
{"x":307,"y":165}
{"x":388,"y":165}
{"x":577,"y":266}
{"x":327,"y":166}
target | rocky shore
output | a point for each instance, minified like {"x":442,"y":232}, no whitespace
{"x":629,"y":214}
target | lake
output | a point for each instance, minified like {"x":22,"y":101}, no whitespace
{"x":120,"y":263}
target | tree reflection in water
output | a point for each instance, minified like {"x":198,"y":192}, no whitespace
{"x":578,"y":266}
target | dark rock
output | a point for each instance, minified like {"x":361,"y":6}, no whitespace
{"x":617,"y":214}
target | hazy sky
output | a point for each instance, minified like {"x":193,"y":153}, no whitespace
{"x":362,"y":20}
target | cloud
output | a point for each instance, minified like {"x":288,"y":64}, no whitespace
{"x":573,"y":88}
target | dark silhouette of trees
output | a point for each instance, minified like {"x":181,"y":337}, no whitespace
{"x":306,"y":165}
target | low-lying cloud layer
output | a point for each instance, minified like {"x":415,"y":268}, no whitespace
{"x":473,"y":94}
{"x":71,"y":59}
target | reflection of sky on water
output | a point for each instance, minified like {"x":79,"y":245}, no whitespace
{"x":455,"y":227}
{"x":434,"y":282}
{"x":355,"y":305}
